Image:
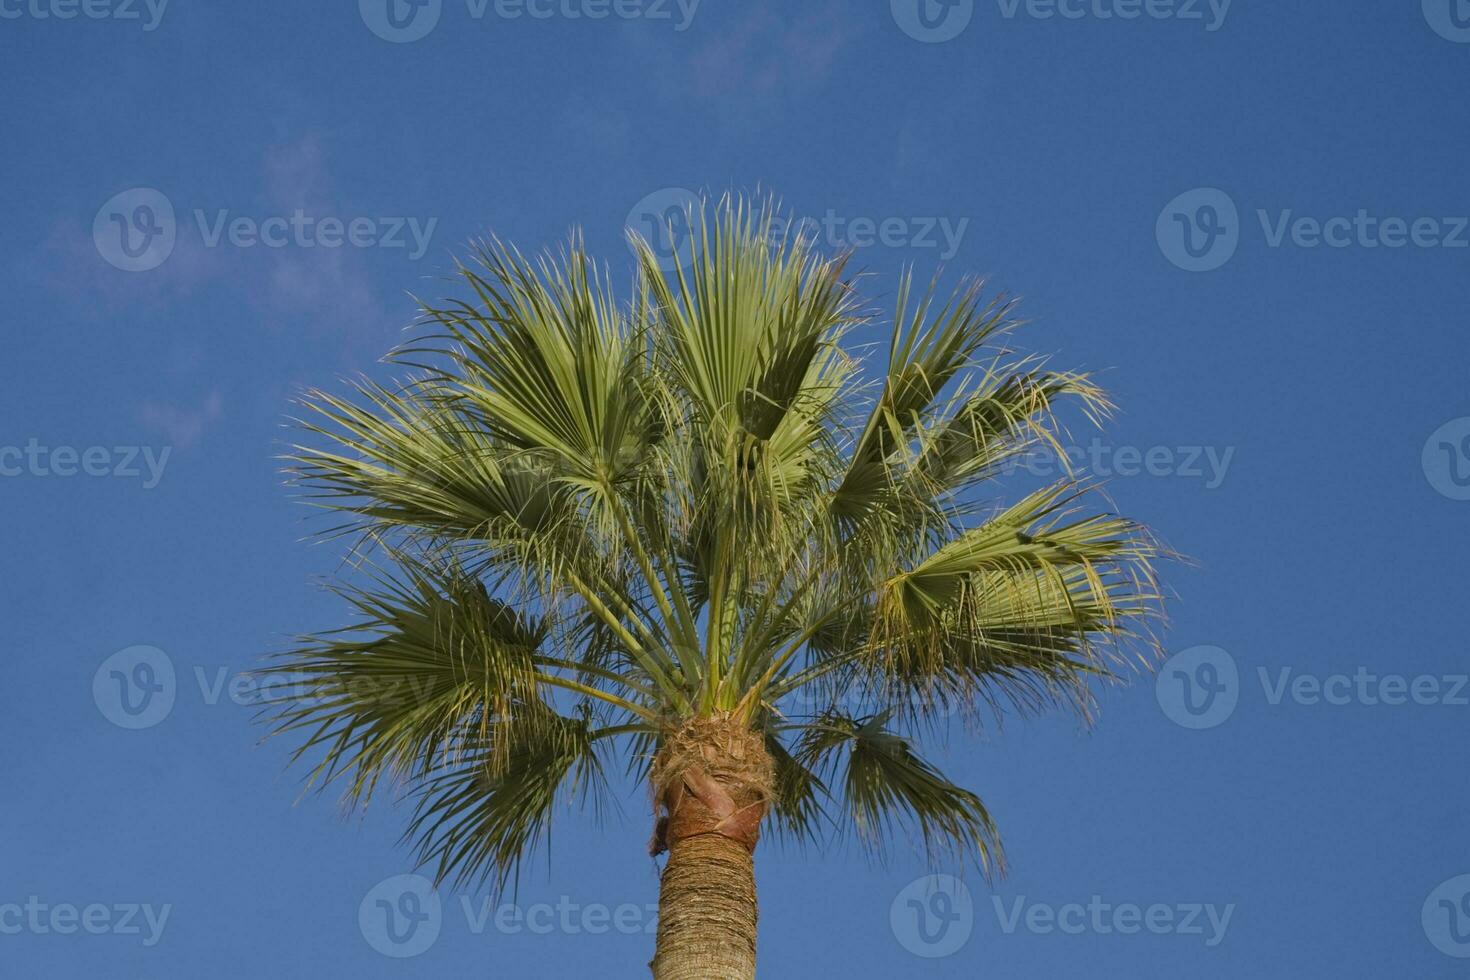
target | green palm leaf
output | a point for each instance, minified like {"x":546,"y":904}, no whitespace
{"x":606,"y":524}
{"x":889,"y":791}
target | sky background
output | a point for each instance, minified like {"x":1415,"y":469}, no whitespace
{"x":1072,"y":152}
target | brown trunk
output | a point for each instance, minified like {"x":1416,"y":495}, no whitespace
{"x":712,"y":785}
{"x":706,"y":912}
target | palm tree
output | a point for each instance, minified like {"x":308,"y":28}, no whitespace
{"x":681,"y":530}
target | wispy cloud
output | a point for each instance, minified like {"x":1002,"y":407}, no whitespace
{"x":295,"y":173}
{"x":307,"y":285}
{"x":326,"y":284}
{"x":183,"y":426}
{"x":600,"y":123}
{"x":766,"y":52}
{"x":70,"y":265}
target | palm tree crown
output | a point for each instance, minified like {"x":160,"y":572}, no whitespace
{"x":602,"y":528}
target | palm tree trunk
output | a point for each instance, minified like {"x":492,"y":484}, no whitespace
{"x":706,"y":911}
{"x":712,"y":783}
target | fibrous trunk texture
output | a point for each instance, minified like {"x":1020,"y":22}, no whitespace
{"x":712,"y":786}
{"x":706,"y":912}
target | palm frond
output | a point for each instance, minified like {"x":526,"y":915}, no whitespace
{"x":415,"y":460}
{"x":432,"y":659}
{"x":928,"y":349}
{"x":484,"y":810}
{"x":797,"y":812}
{"x":890,"y":792}
{"x":546,"y":361}
{"x":606,"y":520}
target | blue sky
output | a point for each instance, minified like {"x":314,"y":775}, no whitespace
{"x":1251,"y":217}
